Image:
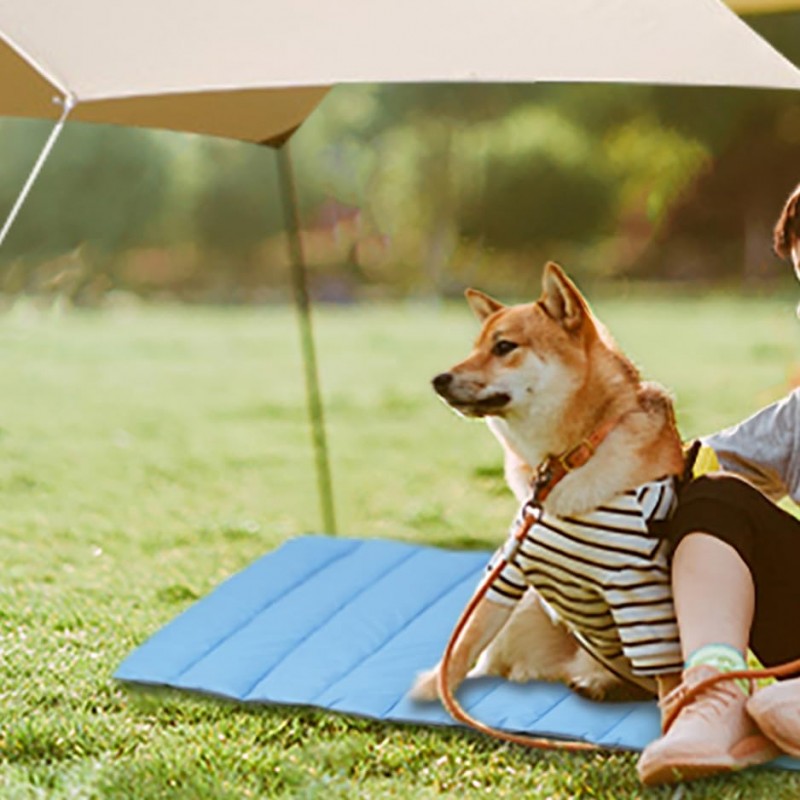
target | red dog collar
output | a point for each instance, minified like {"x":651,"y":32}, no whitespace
{"x":554,"y":468}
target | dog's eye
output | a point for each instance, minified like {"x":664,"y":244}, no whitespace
{"x":503,"y":347}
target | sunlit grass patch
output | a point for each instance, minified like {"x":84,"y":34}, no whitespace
{"x":149,"y":456}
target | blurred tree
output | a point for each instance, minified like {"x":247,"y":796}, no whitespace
{"x":543,"y":179}
{"x":719,"y":225}
{"x":103,"y":188}
{"x":541,"y":169}
{"x":235,"y":207}
{"x":447,"y":175}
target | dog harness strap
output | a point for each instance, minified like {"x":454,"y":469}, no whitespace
{"x":554,"y":468}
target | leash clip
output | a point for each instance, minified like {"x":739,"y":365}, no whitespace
{"x":531,"y":514}
{"x":511,"y":548}
{"x":543,"y":478}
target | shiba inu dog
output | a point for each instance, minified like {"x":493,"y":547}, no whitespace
{"x":546,"y":375}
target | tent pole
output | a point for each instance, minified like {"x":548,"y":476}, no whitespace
{"x":303,"y":305}
{"x":68,"y":104}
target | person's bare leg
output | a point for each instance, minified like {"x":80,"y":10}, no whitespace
{"x":714,"y":600}
{"x":714,"y":594}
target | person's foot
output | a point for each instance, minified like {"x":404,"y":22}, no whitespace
{"x":711,"y":734}
{"x":776,"y":710}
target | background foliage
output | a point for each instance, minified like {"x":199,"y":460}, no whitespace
{"x":418,"y":189}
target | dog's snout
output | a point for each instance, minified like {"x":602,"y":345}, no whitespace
{"x":442,"y":381}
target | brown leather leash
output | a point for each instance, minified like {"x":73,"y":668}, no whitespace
{"x":552,"y":470}
{"x":688,"y":694}
{"x":443,"y":684}
{"x":549,"y":473}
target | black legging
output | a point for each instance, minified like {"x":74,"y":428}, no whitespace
{"x":768,"y":540}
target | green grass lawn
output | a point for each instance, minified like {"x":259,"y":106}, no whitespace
{"x":147,"y":454}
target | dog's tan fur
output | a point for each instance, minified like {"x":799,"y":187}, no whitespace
{"x":563,"y":377}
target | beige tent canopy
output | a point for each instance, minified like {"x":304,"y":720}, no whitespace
{"x":254,"y":69}
{"x":763,"y":6}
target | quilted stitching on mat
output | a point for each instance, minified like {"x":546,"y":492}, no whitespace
{"x":345,"y":624}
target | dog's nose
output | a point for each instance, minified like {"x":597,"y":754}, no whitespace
{"x":441,"y":382}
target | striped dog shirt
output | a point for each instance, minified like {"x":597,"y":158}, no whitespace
{"x":605,"y":576}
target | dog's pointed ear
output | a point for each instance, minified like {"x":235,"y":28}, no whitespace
{"x":561,"y":298}
{"x":481,"y":304}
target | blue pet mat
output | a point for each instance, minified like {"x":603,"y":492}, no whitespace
{"x":345,"y":625}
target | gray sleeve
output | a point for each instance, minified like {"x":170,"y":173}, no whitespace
{"x":765,"y":448}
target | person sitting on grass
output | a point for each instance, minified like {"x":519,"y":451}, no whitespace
{"x":735,"y":559}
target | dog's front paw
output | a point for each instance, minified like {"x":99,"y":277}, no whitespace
{"x":589,"y":688}
{"x":588,"y":678}
{"x":425,"y":688}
